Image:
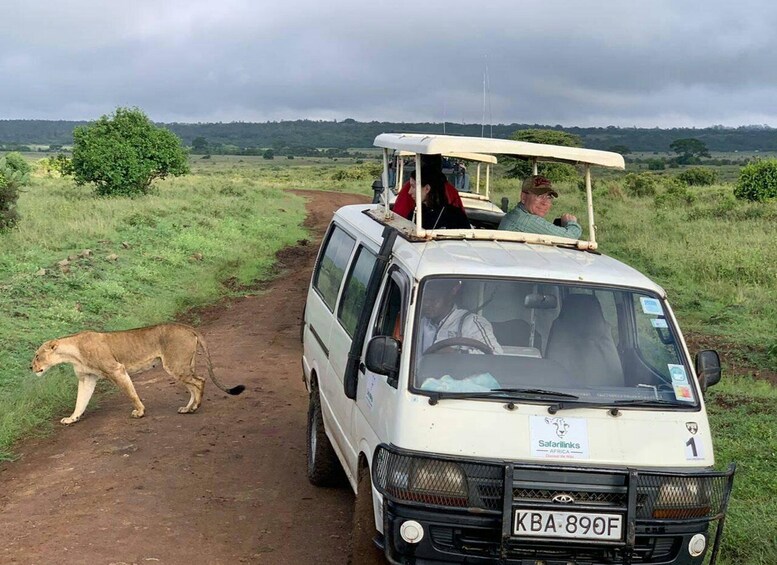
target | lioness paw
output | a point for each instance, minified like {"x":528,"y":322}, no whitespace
{"x":67,"y":421}
{"x":138,"y":413}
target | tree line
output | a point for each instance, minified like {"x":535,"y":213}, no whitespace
{"x":307,"y":137}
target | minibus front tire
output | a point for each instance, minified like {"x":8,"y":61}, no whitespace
{"x":363,"y":548}
{"x":323,"y":466}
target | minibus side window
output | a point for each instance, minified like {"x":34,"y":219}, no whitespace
{"x":331,"y":269}
{"x":391,"y":319}
{"x":355,"y":290}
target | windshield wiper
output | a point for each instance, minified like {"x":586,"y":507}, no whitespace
{"x":613,"y":405}
{"x":537,"y":391}
{"x":505,"y":393}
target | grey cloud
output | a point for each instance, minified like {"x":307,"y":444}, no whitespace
{"x":659,"y":63}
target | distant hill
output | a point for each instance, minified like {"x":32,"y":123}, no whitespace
{"x":350,"y":133}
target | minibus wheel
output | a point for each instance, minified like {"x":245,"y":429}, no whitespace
{"x":363,"y":548}
{"x":323,"y":466}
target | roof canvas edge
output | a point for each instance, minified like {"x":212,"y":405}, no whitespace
{"x":432,"y":144}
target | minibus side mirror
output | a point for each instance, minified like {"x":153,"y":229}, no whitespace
{"x":708,"y":368}
{"x":383,"y":356}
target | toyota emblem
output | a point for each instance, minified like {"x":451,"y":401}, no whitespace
{"x":563,"y":498}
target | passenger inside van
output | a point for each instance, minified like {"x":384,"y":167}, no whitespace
{"x":405,"y":203}
{"x":445,"y":326}
{"x":537,"y":196}
{"x":436,"y":212}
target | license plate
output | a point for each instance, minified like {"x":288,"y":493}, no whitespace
{"x":575,"y":525}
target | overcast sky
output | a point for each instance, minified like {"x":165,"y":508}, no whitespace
{"x":640,"y":63}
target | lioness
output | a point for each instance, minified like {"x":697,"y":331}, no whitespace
{"x":117,"y":355}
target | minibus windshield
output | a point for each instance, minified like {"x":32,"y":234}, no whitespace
{"x":597,"y":344}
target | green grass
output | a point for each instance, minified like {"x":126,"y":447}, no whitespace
{"x":743,"y":414}
{"x":149,"y":259}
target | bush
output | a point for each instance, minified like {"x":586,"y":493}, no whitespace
{"x":9,"y":194}
{"x":698,"y":176}
{"x":757,"y":181}
{"x":360,"y":172}
{"x":15,"y":163}
{"x":640,"y":184}
{"x":656,"y":164}
{"x":675,"y":193}
{"x":124,"y":153}
{"x":59,"y":163}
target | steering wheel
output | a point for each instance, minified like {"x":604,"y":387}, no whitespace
{"x":459,"y":342}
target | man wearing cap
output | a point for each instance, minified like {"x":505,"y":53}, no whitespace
{"x":537,"y":197}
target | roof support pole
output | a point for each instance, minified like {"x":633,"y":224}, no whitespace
{"x":477,"y":183}
{"x":384,"y":181}
{"x":534,"y":169}
{"x":488,"y":180}
{"x":590,"y":203}
{"x":418,"y":191}
{"x":400,"y":173}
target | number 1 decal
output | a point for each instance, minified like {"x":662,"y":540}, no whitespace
{"x":694,"y":448}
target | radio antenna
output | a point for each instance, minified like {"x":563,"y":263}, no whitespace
{"x":486,"y":102}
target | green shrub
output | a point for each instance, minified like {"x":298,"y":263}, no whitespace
{"x":14,"y":173}
{"x":698,"y":176}
{"x":16,"y":163}
{"x":124,"y":153}
{"x":675,"y":193}
{"x":656,"y":164}
{"x":757,"y":181}
{"x":359,"y":172}
{"x":640,"y":184}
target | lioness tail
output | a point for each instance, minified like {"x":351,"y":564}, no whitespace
{"x":235,"y":390}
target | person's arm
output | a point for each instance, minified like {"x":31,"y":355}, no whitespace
{"x":519,"y":220}
{"x":478,"y":328}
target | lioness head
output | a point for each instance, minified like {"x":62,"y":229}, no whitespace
{"x":45,"y":358}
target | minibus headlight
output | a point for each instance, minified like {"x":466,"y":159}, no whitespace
{"x":430,"y":481}
{"x":682,"y":498}
{"x":442,"y":478}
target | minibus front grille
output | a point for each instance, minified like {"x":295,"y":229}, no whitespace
{"x":615,"y":499}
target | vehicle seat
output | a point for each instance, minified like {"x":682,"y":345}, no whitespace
{"x":516,"y":333}
{"x":580,"y":340}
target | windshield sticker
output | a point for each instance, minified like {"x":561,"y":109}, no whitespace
{"x":694,"y":448}
{"x":658,"y":323}
{"x":559,"y":438}
{"x":683,"y":392}
{"x":651,"y":306}
{"x":678,"y":373}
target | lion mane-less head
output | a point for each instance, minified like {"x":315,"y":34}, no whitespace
{"x":46,"y":357}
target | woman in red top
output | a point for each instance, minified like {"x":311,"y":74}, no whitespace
{"x":405,"y":202}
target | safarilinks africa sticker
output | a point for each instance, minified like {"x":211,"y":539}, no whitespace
{"x":558,"y":438}
{"x":658,"y":323}
{"x":651,"y":306}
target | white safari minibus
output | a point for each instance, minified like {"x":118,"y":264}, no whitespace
{"x":505,"y":397}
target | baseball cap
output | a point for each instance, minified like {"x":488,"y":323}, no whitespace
{"x":537,"y":184}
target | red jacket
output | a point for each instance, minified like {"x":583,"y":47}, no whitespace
{"x":404,"y":205}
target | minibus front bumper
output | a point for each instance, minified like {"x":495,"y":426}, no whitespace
{"x":456,"y":510}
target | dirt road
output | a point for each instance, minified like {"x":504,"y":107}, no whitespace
{"x":225,"y":485}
